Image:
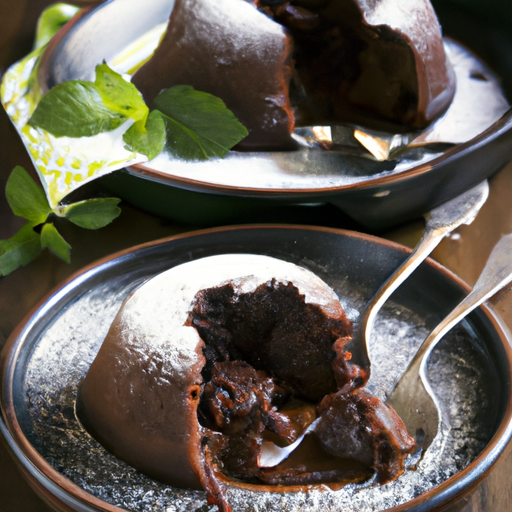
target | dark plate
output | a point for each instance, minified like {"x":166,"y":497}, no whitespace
{"x":51,"y":350}
{"x":377,"y":195}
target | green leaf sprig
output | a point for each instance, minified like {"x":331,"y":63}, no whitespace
{"x":199,"y":125}
{"x":51,"y":20}
{"x":27,"y":199}
{"x":189,"y":124}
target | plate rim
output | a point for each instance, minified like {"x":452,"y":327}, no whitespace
{"x":41,"y":471}
{"x":497,"y":129}
{"x":145,"y":171}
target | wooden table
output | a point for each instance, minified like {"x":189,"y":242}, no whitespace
{"x":464,"y":252}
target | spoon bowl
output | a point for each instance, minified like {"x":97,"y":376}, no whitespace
{"x":412,"y":397}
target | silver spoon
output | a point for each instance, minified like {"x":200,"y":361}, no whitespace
{"x":439,"y":222}
{"x":412,"y":397}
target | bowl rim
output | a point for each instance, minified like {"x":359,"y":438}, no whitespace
{"x":39,"y":472}
{"x":451,"y":155}
{"x":368,"y":182}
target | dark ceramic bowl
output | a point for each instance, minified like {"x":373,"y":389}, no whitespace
{"x":48,"y":354}
{"x":377,"y":195}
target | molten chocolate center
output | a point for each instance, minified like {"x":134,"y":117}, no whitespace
{"x":275,"y":366}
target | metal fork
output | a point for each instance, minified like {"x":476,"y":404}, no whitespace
{"x":440,"y":222}
{"x":412,"y":396}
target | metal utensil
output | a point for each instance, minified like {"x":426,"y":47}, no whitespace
{"x":412,"y":396}
{"x":439,"y":222}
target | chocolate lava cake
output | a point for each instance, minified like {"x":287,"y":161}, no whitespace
{"x":278,"y":64}
{"x":235,"y":368}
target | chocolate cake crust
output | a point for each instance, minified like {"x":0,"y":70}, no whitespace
{"x":278,"y":64}
{"x":205,"y":374}
{"x":235,"y":52}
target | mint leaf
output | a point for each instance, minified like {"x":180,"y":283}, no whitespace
{"x":92,"y":213}
{"x":184,"y":143}
{"x":199,"y":125}
{"x":121,"y":96}
{"x":74,"y":109}
{"x":52,"y":239}
{"x":25,"y":197}
{"x":20,"y":249}
{"x":51,"y":21}
{"x":150,"y":143}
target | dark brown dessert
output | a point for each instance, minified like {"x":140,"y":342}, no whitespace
{"x":235,"y":52}
{"x":245,"y":381}
{"x":379,"y":64}
{"x":284,"y":63}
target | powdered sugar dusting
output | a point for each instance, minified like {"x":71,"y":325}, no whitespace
{"x":416,"y":18}
{"x":153,"y":318}
{"x":462,"y":375}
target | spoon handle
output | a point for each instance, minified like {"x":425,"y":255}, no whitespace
{"x":496,"y":274}
{"x":439,"y":222}
{"x":429,"y":241}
